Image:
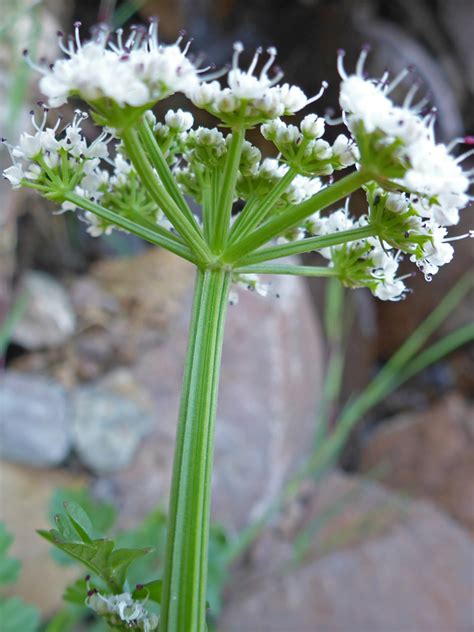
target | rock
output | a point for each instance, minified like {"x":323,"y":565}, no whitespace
{"x":48,"y":320}
{"x":24,"y":497}
{"x":413,"y":574}
{"x":34,"y":420}
{"x":270,"y":386}
{"x":429,"y":454}
{"x":110,"y":418}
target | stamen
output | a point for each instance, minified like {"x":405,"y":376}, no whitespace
{"x":188,"y":45}
{"x":410,"y":95}
{"x":361,"y":61}
{"x":341,"y":53}
{"x":254,"y":61}
{"x":77,"y":26}
{"x":463,"y":157}
{"x":398,"y":79}
{"x":468,"y":235}
{"x":181,"y":35}
{"x":32,"y":64}
{"x":272,"y":53}
{"x":317,"y":96}
{"x":238,"y":48}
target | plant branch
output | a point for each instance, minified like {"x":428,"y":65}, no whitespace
{"x":158,"y":235}
{"x":155,"y":188}
{"x":306,"y":245}
{"x":291,"y":217}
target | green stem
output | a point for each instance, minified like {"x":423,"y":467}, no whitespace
{"x":223,"y":213}
{"x":162,"y":167}
{"x":158,"y":193}
{"x":184,"y":585}
{"x":249,"y":218}
{"x":307,"y":245}
{"x":158,"y":235}
{"x":280,"y":268}
{"x":295,"y":214}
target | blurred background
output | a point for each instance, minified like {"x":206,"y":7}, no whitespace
{"x":92,"y":339}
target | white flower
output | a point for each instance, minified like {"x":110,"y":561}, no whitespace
{"x":250,"y":97}
{"x":14,"y":175}
{"x":179,"y":121}
{"x":131,"y":611}
{"x":312,"y":126}
{"x":429,"y":169}
{"x":135,"y":73}
{"x":344,"y":150}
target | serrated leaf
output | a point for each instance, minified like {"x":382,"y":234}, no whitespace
{"x":9,"y":567}
{"x":18,"y":616}
{"x":121,"y":559}
{"x":152,"y":591}
{"x":103,"y":515}
{"x":79,"y":520}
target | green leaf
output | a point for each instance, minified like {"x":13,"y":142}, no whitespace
{"x":65,"y":530}
{"x":121,"y":559}
{"x":9,"y":567}
{"x":102,"y":514}
{"x":94,"y":556}
{"x":79,"y":520}
{"x":76,"y":593}
{"x":151,"y":590}
{"x":18,"y":616}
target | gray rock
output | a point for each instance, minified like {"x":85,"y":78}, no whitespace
{"x":110,"y":418}
{"x":412,"y":572}
{"x":34,"y":420}
{"x":48,"y":320}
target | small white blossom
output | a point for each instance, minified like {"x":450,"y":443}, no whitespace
{"x":131,"y":611}
{"x":179,"y":121}
{"x":313,"y":126}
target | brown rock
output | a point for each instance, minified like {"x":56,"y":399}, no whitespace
{"x":415,"y":573}
{"x":270,"y":385}
{"x":24,"y":497}
{"x":429,"y":454}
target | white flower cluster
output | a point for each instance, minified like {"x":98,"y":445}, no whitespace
{"x":402,"y":139}
{"x":51,"y":155}
{"x":53,"y":159}
{"x":123,"y":607}
{"x":134,"y":72}
{"x":362,"y":263}
{"x":250,"y":98}
{"x":304,"y":149}
{"x":409,"y":226}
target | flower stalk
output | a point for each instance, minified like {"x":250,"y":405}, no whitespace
{"x":184,"y":587}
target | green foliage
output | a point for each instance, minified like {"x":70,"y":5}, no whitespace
{"x":74,"y":536}
{"x":9,"y":567}
{"x":18,"y":616}
{"x":15,"y":614}
{"x":120,"y":560}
